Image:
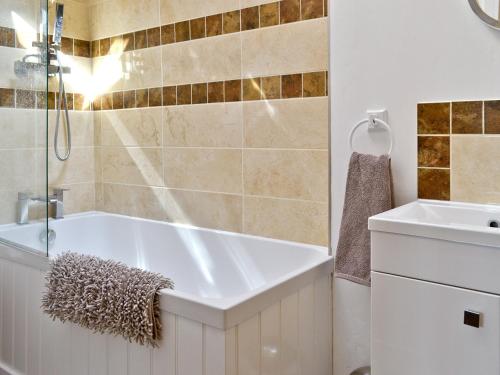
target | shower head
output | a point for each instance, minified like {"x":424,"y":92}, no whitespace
{"x":58,"y":24}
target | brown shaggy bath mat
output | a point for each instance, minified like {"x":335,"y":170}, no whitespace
{"x":105,"y":296}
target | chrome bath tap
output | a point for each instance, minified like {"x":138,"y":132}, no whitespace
{"x":25,"y":201}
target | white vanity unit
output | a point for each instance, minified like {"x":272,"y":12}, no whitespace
{"x":436,"y":290}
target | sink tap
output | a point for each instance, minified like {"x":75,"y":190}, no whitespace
{"x":56,"y":202}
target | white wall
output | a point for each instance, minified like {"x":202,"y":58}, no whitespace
{"x":394,"y":54}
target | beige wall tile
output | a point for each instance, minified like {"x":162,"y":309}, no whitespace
{"x":17,"y":168}
{"x":142,"y":68}
{"x":145,"y":202}
{"x":79,"y":198}
{"x":134,"y":127}
{"x":114,"y":17}
{"x":251,"y":3}
{"x":181,"y":10}
{"x":79,"y":168}
{"x":7,"y":78}
{"x":98,"y":164}
{"x":99,"y":196}
{"x":211,"y":125}
{"x":15,"y":13}
{"x":17,"y":127}
{"x":207,"y":210}
{"x":196,"y":61}
{"x":299,"y":174}
{"x":291,"y":48}
{"x":82,"y":129}
{"x":475,"y":173}
{"x":76,"y":19}
{"x":108,"y":73}
{"x":285,"y":219}
{"x":293,"y":123}
{"x":8,"y":199}
{"x":215,"y":170}
{"x":138,"y":166}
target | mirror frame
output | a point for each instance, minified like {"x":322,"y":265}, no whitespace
{"x":490,"y":21}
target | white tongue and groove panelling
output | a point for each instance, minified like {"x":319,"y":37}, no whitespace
{"x":292,"y":337}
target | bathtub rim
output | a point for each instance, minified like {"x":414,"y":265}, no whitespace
{"x":221,"y":313}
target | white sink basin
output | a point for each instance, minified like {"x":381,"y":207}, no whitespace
{"x":459,"y":222}
{"x":443,"y":242}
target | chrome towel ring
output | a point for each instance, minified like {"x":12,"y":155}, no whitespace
{"x":373,"y":123}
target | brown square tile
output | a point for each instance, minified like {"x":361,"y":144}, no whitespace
{"x":183,"y":94}
{"x":67,"y":46}
{"x":25,"y":99}
{"x":94,"y":46}
{"x":141,"y":98}
{"x":117,"y":44}
{"x":327,"y":82}
{"x":312,"y":9}
{"x":434,"y":118}
{"x":291,"y":86}
{"x":198,"y":28}
{"x":231,"y":22}
{"x":118,"y":100}
{"x":107,"y":102}
{"x":467,"y":117}
{"x":129,"y":99}
{"x":492,"y":117}
{"x":434,"y":184}
{"x":96,"y":104}
{"x":81,"y":48}
{"x":252,"y":89}
{"x":154,"y":37}
{"x":214,"y":25}
{"x":314,"y":84}
{"x":250,"y":18}
{"x":200,"y":93}
{"x":41,"y":100}
{"x":232,"y":90}
{"x":69,"y":100}
{"x":182,"y":31}
{"x":270,"y":14}
{"x":80,"y":103}
{"x":271,"y":87}
{"x":169,"y":95}
{"x":289,"y":11}
{"x":128,"y":42}
{"x":7,"y":37}
{"x":140,"y":39}
{"x":215,"y":92}
{"x":155,"y":99}
{"x":104,"y":46}
{"x":51,"y":100}
{"x":7,"y":98}
{"x":434,"y":151}
{"x":168,"y":34}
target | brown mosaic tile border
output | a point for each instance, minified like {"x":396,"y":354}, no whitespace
{"x":301,"y":85}
{"x":69,"y":46}
{"x":260,"y":16}
{"x":31,"y":99}
{"x":437,"y":122}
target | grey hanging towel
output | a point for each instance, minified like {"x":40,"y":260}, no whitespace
{"x":105,"y":296}
{"x":368,"y":193}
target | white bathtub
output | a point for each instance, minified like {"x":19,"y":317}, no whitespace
{"x":242,"y":304}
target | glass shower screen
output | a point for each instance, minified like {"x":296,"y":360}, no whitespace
{"x":24,"y":103}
